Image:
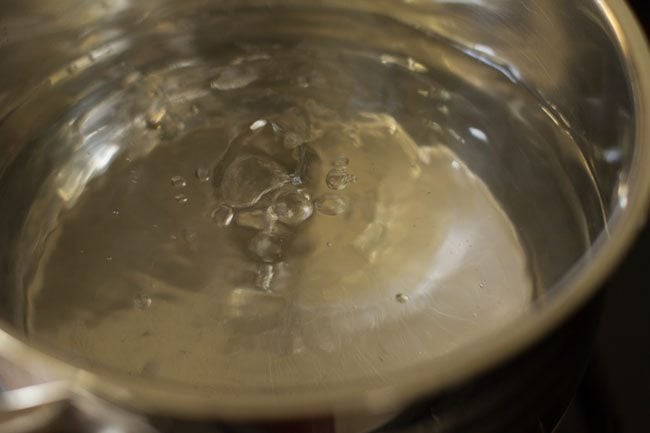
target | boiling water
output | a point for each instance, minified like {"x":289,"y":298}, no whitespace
{"x":280,"y":204}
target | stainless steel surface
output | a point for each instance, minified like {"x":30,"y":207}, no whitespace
{"x":500,"y":152}
{"x":32,"y":408}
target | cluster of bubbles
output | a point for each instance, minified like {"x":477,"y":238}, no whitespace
{"x":262,"y":183}
{"x":338,"y":177}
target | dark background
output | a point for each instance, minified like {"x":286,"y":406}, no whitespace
{"x":614,"y":396}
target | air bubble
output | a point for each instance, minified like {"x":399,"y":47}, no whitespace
{"x":337,"y":179}
{"x":142,"y":302}
{"x":292,"y":208}
{"x":202,"y":174}
{"x":181,"y":198}
{"x":178,"y":182}
{"x":401,"y":298}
